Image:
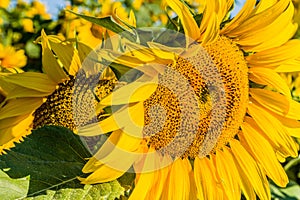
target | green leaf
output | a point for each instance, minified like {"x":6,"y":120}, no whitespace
{"x":108,"y":23}
{"x":198,"y":19}
{"x":171,"y":38}
{"x":104,"y":191}
{"x":124,"y":73}
{"x":127,"y":182}
{"x":32,"y":50}
{"x":292,"y":169}
{"x":291,"y":192}
{"x":53,"y":157}
{"x":13,"y":188}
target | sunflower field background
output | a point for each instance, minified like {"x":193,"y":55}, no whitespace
{"x":46,"y":164}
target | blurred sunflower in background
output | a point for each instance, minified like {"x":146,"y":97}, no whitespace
{"x":291,"y":77}
{"x":4,"y":3}
{"x":245,"y":110}
{"x":11,"y":58}
{"x":35,"y":10}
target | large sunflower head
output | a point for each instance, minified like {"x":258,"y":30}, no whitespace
{"x":205,"y":114}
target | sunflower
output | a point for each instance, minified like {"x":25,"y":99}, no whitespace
{"x":46,"y":95}
{"x":208,"y":120}
{"x":11,"y":58}
{"x":4,"y":4}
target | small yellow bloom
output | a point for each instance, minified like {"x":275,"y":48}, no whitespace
{"x":4,"y":3}
{"x":40,"y":9}
{"x":11,"y":58}
{"x":28,"y":25}
{"x":137,"y":4}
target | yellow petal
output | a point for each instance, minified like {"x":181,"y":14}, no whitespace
{"x":22,"y":106}
{"x":289,"y":66}
{"x":120,"y":58}
{"x":16,"y":131}
{"x":106,"y":165}
{"x":11,"y":121}
{"x":84,"y":51}
{"x":276,"y":40}
{"x":29,"y":80}
{"x":258,"y":37}
{"x":19,"y":92}
{"x":152,"y":179}
{"x":130,"y":119}
{"x":143,"y":187}
{"x":141,"y":52}
{"x":163,"y":51}
{"x":209,"y":9}
{"x":212,"y":30}
{"x":161,"y":177}
{"x":193,"y":187}
{"x":270,"y":78}
{"x":246,"y":163}
{"x":103,"y":174}
{"x":131,"y":93}
{"x":222,"y":8}
{"x":68,"y":55}
{"x":241,"y":178}
{"x":205,"y":178}
{"x":50,"y":64}
{"x":295,"y":132}
{"x":272,"y":129}
{"x":178,"y":182}
{"x":240,"y":17}
{"x":190,"y":26}
{"x":132,"y":19}
{"x":210,"y":23}
{"x":275,"y":56}
{"x":228,"y":175}
{"x":263,"y":5}
{"x":260,"y":147}
{"x":276,"y":103}
{"x":255,"y":22}
{"x":290,"y":123}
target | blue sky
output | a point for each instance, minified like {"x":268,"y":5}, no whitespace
{"x":53,"y":6}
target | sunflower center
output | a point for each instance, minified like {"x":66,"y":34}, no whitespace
{"x":72,"y":103}
{"x":185,"y":124}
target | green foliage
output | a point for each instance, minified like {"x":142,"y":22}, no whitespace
{"x":13,"y":188}
{"x":107,"y":22}
{"x":104,"y":191}
{"x":52,"y":156}
{"x":291,"y":192}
